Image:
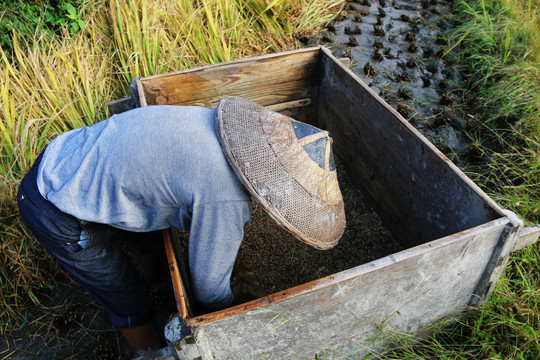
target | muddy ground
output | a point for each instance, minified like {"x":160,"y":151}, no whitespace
{"x":66,"y":325}
{"x":399,"y":48}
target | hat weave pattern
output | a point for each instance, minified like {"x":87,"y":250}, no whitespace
{"x":269,"y":160}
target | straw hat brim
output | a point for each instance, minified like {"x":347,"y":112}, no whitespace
{"x":264,"y":152}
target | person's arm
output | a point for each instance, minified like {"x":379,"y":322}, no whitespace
{"x":216,"y":232}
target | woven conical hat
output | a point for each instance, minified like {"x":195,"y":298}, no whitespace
{"x":287,"y":166}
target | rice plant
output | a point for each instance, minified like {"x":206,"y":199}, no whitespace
{"x":54,"y":87}
{"x":185,"y":33}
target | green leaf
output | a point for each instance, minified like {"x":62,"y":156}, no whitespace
{"x":71,"y":10}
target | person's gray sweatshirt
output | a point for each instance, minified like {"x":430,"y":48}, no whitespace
{"x":149,"y":169}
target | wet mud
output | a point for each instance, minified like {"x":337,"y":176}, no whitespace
{"x":401,"y":49}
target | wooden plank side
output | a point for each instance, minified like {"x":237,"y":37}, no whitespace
{"x":267,"y":80}
{"x":401,"y":293}
{"x":528,"y":237}
{"x":417,"y":191}
{"x":175,"y":270}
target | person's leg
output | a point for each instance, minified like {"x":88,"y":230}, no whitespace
{"x":96,"y":263}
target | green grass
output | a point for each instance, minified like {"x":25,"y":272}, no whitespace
{"x":500,"y":44}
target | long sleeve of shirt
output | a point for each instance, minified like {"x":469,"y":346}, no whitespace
{"x":214,"y":243}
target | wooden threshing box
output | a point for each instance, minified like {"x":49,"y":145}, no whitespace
{"x":456,"y":239}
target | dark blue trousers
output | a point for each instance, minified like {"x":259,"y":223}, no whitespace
{"x":100,"y":267}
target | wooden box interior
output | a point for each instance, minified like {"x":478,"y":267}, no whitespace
{"x":418,"y":193}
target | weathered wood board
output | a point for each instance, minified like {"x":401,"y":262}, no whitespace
{"x":264,"y":79}
{"x":403,"y":293}
{"x":458,"y":240}
{"x":419,"y":193}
